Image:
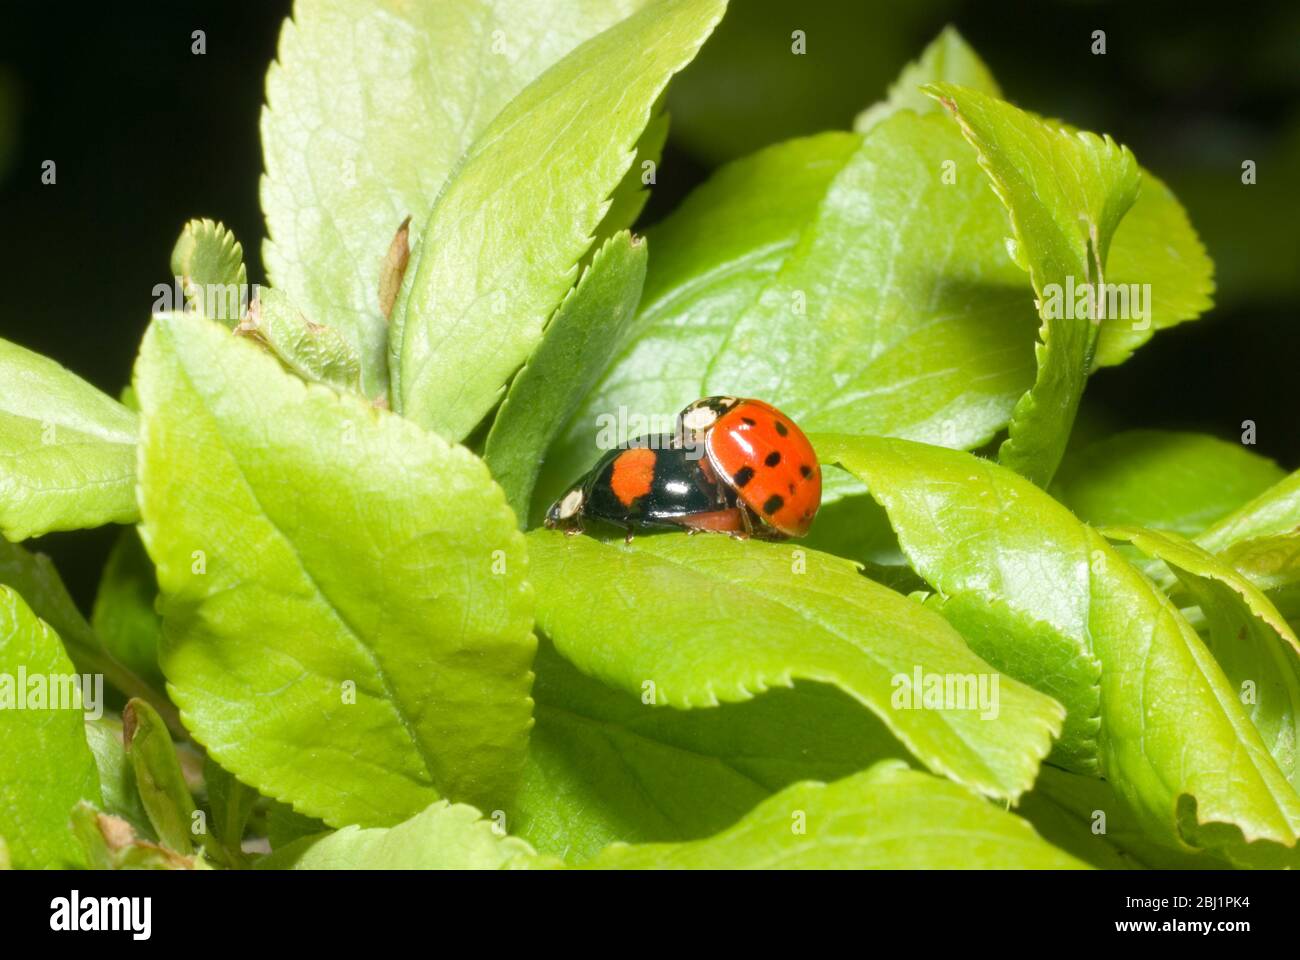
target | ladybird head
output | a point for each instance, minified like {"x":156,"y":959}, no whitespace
{"x":566,"y":512}
{"x":699,"y":417}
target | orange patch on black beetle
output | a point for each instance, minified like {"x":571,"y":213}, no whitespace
{"x":634,"y":473}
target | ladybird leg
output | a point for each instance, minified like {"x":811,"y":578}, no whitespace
{"x":746,"y":518}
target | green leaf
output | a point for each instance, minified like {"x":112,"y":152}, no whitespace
{"x":1066,"y":193}
{"x":503,"y":242}
{"x":1156,"y":245}
{"x":69,"y":450}
{"x":369,"y":107}
{"x":163,"y":792}
{"x":948,"y":58}
{"x":1274,"y":512}
{"x":1256,"y":648}
{"x":285,"y":825}
{"x":231,"y":803}
{"x":888,"y":817}
{"x":210,"y":263}
{"x":121,"y":796}
{"x":1273,"y":565}
{"x":443,"y":837}
{"x":633,"y":192}
{"x":124,"y":619}
{"x":363,"y":575}
{"x":1161,"y":479}
{"x":1270,"y":563}
{"x":316,"y":353}
{"x":1087,"y":819}
{"x":762,"y":279}
{"x":1261,"y":538}
{"x":1027,"y":584}
{"x":604,"y":765}
{"x":45,"y":765}
{"x":836,"y":278}
{"x":34,"y":576}
{"x":579,"y":342}
{"x":749,"y":616}
{"x":712,"y":258}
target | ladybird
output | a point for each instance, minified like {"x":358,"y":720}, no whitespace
{"x":758,"y":452}
{"x":653,"y":482}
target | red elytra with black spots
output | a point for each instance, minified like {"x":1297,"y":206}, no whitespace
{"x":761,"y":454}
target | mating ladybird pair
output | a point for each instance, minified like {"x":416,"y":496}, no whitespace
{"x":734,"y":466}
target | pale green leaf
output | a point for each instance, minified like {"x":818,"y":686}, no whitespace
{"x":1066,"y":193}
{"x":503,"y":242}
{"x":45,"y":765}
{"x":67,"y":451}
{"x":210,"y":263}
{"x":370,"y":105}
{"x":886,"y":818}
{"x":443,"y":837}
{"x":749,"y":616}
{"x":334,"y":560}
{"x":579,"y":341}
{"x":1172,"y":735}
{"x":948,"y":58}
{"x":1161,"y":479}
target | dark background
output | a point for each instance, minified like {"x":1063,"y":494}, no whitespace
{"x":147,"y":135}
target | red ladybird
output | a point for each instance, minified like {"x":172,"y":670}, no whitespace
{"x":760,"y":453}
